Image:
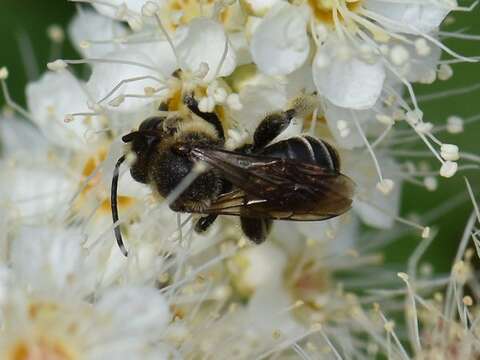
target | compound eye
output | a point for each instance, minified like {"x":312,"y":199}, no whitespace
{"x":140,"y":144}
{"x":152,"y":123}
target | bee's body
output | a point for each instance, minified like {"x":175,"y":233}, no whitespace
{"x":294,"y":179}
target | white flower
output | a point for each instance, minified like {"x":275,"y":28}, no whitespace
{"x":341,"y":66}
{"x":283,"y":28}
{"x":252,"y":86}
{"x":131,"y":96}
{"x":135,"y":76}
{"x":412,"y":17}
{"x":120,"y":8}
{"x":374,"y":207}
{"x":49,"y":306}
{"x":349,"y":67}
{"x":347,"y":80}
{"x":51,"y":99}
{"x":21,"y":196}
{"x":91,"y":32}
{"x":204,"y":41}
{"x":124,"y":324}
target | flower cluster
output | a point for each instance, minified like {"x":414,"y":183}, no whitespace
{"x":347,"y":68}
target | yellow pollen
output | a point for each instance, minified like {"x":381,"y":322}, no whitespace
{"x":181,"y":12}
{"x":90,"y":166}
{"x":122,"y":202}
{"x":93,"y":161}
{"x":41,"y":349}
{"x":51,"y":110}
{"x":175,"y":100}
{"x":41,"y":308}
{"x":324,"y":9}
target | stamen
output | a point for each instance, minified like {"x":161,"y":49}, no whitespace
{"x":70,"y":117}
{"x":367,"y":144}
{"x":107,"y":61}
{"x":8,"y":99}
{"x":169,"y":39}
{"x":413,"y":320}
{"x":330,"y":345}
{"x":57,"y":37}
{"x":390,"y":328}
{"x":129,"y":80}
{"x":424,"y":229}
{"x":472,"y":198}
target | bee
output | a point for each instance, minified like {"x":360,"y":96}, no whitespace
{"x":296,"y":179}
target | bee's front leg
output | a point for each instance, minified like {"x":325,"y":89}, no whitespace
{"x":210,"y":117}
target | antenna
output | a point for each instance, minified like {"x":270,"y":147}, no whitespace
{"x":113,"y":201}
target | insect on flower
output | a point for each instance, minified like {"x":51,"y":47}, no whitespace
{"x":295,"y":179}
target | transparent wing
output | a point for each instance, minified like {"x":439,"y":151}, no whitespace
{"x":277,"y":188}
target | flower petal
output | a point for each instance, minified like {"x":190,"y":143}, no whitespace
{"x":280,"y":43}
{"x":410,"y":17}
{"x":273,"y":95}
{"x":418,"y":67}
{"x":20,"y":137}
{"x":50,"y":99}
{"x":259,"y":7}
{"x":50,"y":261}
{"x":240,"y":44}
{"x":34,"y":190}
{"x":159,"y":53}
{"x":203,"y":41}
{"x":89,"y":26}
{"x":266,"y":311}
{"x":105,"y":76}
{"x":113,"y":6}
{"x":339,"y":233}
{"x":136,"y":310}
{"x":350,"y":83}
{"x":347,"y":138}
{"x":374,"y":208}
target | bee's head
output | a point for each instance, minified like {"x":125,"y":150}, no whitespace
{"x":142,"y":143}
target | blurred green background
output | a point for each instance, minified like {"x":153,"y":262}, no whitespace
{"x":28,"y":19}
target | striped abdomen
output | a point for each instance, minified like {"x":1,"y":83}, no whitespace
{"x":306,"y":149}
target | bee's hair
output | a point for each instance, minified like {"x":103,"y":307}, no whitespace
{"x":304,"y":105}
{"x":197,"y":125}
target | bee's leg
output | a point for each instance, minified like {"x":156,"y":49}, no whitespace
{"x":256,"y":229}
{"x":270,"y":127}
{"x":209,"y":117}
{"x":163,"y":107}
{"x":204,"y":223}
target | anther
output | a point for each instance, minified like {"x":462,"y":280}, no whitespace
{"x":56,"y":33}
{"x":431,"y":183}
{"x":449,"y":152}
{"x":445,"y":72}
{"x":422,"y":48}
{"x":426,"y":232}
{"x":385,"y":186}
{"x":3,"y":73}
{"x":455,"y":124}
{"x":448,"y":169}
{"x":57,"y":65}
{"x":399,"y":55}
{"x":343,"y":128}
{"x":149,"y":9}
